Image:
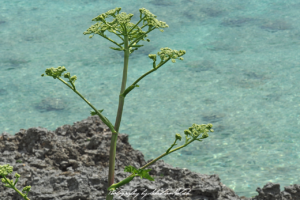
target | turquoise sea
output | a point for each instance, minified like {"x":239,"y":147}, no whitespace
{"x":240,"y":73}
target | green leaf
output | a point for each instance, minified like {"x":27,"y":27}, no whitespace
{"x":143,"y":173}
{"x":136,"y":45}
{"x":94,"y":113}
{"x":130,"y":169}
{"x":118,"y":49}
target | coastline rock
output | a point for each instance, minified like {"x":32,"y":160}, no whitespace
{"x":71,"y":163}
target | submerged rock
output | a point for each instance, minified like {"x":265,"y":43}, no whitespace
{"x":72,"y":164}
{"x":50,"y":104}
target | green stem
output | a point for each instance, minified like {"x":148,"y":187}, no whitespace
{"x":13,"y":187}
{"x":104,"y":119}
{"x":113,"y":144}
{"x":132,"y":86}
{"x":152,"y":70}
{"x":162,"y":155}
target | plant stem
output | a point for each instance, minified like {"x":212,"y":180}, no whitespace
{"x":13,"y":187}
{"x":113,"y":144}
{"x":107,"y":122}
{"x":163,"y":155}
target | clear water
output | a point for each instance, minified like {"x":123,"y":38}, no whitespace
{"x":240,"y":73}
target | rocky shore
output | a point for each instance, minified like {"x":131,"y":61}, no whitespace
{"x":72,"y":164}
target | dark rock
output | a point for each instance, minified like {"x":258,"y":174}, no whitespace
{"x":237,"y":22}
{"x":277,"y":25}
{"x":271,"y":191}
{"x":3,"y":92}
{"x":72,"y":164}
{"x":50,"y":104}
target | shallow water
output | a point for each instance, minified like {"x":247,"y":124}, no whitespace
{"x":239,"y":73}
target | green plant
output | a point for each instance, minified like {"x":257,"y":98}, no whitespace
{"x":132,"y":35}
{"x":6,"y":169}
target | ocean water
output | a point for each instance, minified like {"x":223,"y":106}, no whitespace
{"x":240,"y":73}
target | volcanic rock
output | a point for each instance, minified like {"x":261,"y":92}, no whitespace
{"x":71,"y":163}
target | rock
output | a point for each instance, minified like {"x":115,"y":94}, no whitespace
{"x":3,"y":92}
{"x":72,"y":164}
{"x":276,"y":25}
{"x":272,"y":192}
{"x":237,"y":22}
{"x":50,"y":104}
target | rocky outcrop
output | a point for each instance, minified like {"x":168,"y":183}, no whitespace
{"x":72,"y":164}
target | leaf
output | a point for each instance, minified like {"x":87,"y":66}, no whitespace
{"x":143,"y":173}
{"x":136,"y":45}
{"x":118,"y":49}
{"x":131,"y":169}
{"x":94,"y":113}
